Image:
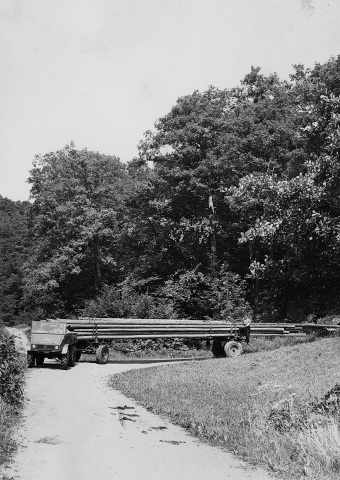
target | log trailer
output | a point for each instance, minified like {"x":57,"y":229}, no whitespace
{"x":67,"y":339}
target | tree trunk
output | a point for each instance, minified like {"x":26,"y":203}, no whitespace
{"x":213,"y":255}
{"x":97,"y":274}
{"x":256,"y":285}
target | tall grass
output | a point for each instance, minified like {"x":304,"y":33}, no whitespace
{"x":321,"y":447}
{"x":258,"y":344}
{"x":259,"y":406}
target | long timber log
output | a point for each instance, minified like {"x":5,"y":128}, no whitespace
{"x":143,"y":328}
{"x":105,"y":321}
{"x":169,"y":335}
{"x":185,"y":330}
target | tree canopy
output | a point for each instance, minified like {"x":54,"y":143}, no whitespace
{"x":78,"y":204}
{"x":232,"y":204}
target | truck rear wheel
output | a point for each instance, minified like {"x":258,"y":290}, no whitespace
{"x":72,"y":356}
{"x":39,"y":360}
{"x":233,"y":349}
{"x":30,"y":360}
{"x":102,"y":354}
{"x":64,"y":361}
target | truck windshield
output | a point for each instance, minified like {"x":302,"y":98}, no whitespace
{"x":48,"y":327}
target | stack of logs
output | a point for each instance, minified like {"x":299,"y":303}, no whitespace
{"x":119,"y":328}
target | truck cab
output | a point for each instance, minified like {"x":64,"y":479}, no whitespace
{"x":52,"y":339}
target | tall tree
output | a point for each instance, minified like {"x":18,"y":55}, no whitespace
{"x":204,"y":146}
{"x":78,"y":202}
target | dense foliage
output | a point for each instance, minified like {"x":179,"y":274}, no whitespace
{"x":14,"y":250}
{"x":12,"y":370}
{"x":232,"y":205}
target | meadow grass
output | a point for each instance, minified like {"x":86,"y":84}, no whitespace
{"x":259,"y":405}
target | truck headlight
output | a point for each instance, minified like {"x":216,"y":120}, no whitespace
{"x":56,"y":347}
{"x":33,"y":346}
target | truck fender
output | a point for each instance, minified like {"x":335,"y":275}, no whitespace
{"x":65,"y":349}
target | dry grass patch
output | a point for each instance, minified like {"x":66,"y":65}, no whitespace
{"x":258,"y":406}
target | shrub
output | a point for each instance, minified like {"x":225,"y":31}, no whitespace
{"x":12,"y":369}
{"x":124,"y":302}
{"x":197,"y":295}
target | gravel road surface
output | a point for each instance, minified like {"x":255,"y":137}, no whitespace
{"x":76,"y":427}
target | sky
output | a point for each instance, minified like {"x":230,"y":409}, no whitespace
{"x":101,"y":72}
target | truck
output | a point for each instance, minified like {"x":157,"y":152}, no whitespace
{"x":54,"y":340}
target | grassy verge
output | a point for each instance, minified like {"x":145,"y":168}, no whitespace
{"x":259,"y":406}
{"x":260,"y":344}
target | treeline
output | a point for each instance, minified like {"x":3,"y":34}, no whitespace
{"x":14,"y":250}
{"x":232,"y":205}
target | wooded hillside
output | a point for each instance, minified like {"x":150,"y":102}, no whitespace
{"x":232,"y":205}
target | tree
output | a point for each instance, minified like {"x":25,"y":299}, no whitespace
{"x":205,"y":145}
{"x":280,"y":219}
{"x":78,"y":202}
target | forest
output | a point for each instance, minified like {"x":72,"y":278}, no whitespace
{"x":232,"y":206}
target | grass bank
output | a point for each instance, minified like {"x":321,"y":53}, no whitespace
{"x":259,"y":406}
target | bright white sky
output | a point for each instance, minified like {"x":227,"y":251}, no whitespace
{"x":100,"y":72}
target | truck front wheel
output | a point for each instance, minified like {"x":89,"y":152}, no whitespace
{"x":64,"y":361}
{"x":102,"y":354}
{"x":30,"y":360}
{"x":72,"y":357}
{"x":39,"y":360}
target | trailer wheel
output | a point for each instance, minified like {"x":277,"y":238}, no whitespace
{"x":39,"y":360}
{"x":102,"y":354}
{"x":78,"y":355}
{"x":233,"y":349}
{"x":72,"y":356}
{"x":64,"y":361}
{"x":30,"y":360}
{"x":217,"y":349}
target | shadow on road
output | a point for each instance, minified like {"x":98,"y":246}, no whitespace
{"x":156,"y":360}
{"x":50,"y":364}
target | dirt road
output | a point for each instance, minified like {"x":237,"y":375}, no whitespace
{"x":73,"y":429}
